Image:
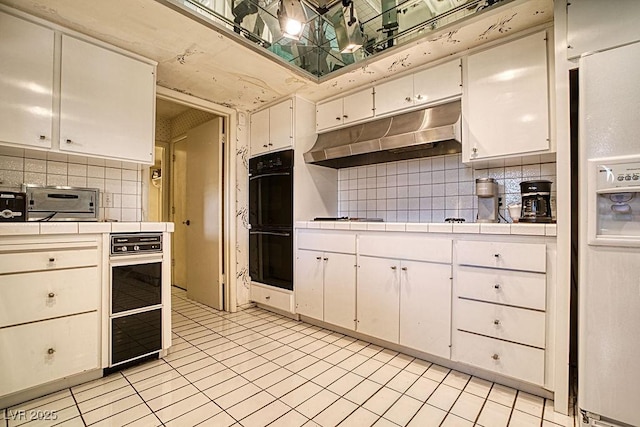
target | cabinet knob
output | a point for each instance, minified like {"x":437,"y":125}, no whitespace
{"x":326,"y":259}
{"x":68,"y":141}
{"x":51,"y":295}
{"x":51,"y":351}
{"x":267,"y":297}
{"x":404,"y":268}
{"x":408,"y":99}
{"x":497,"y":286}
{"x":496,"y":255}
{"x":42,"y":137}
{"x":338,"y":118}
{"x":52,"y":260}
{"x":393,"y":267}
{"x":419,"y":97}
{"x":270,"y":144}
{"x":345,"y":116}
{"x":265,"y":146}
{"x":475,"y":150}
{"x":495,"y":357}
{"x":496,"y":322}
{"x":318,"y":258}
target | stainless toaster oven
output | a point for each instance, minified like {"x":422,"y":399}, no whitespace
{"x":61,"y":203}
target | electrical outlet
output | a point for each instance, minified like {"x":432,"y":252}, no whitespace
{"x":108,"y":200}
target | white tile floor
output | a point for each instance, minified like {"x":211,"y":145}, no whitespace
{"x":255,"y":368}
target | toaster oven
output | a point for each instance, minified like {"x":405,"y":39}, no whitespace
{"x":61,"y":203}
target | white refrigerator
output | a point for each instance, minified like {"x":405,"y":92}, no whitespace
{"x":609,"y":277}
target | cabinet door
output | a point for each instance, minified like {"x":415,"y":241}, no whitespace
{"x":505,"y":100}
{"x":259,"y":132}
{"x":26,"y":85}
{"x":328,"y":115}
{"x":281,"y":125}
{"x":394,"y":95}
{"x":434,"y":84}
{"x":340,"y":290}
{"x":106,"y":103}
{"x":358,"y":106}
{"x":425,"y":307}
{"x":378,"y":305}
{"x":308,"y":286}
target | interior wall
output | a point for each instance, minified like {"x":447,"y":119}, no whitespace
{"x":120,"y":183}
{"x":242,"y":209}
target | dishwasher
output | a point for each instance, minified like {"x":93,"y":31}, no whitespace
{"x":136,"y":295}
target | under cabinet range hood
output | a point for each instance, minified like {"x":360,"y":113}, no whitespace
{"x":423,"y":133}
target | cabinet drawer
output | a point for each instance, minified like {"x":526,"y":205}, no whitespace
{"x":510,"y":287}
{"x":509,"y":323}
{"x":273,"y":298}
{"x":415,"y":247}
{"x":343,"y":242}
{"x":47,"y":351}
{"x":513,"y":360}
{"x":28,"y":294}
{"x":47,"y":260}
{"x":507,"y":255}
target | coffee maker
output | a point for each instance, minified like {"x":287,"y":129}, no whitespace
{"x":536,"y":201}
{"x":487,"y":192}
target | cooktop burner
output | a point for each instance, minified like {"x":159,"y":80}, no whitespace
{"x":346,"y":218}
{"x":452,"y":220}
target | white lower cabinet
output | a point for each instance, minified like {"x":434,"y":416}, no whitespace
{"x":378,"y":290}
{"x":272,"y":297}
{"x":49,"y":350}
{"x":309,"y":283}
{"x":425,"y":307}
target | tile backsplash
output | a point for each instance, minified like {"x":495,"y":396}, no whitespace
{"x":430,"y":189}
{"x":120,"y":183}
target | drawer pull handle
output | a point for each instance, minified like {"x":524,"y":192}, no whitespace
{"x":325,"y":259}
{"x":408,"y":99}
{"x":42,"y":137}
{"x":404,"y":268}
{"x":496,"y":255}
{"x":51,"y":295}
{"x":495,"y":357}
{"x":318,"y":258}
{"x":497,"y":286}
{"x":68,"y":141}
{"x":270,"y":144}
{"x":496,"y":322}
{"x":267,"y":297}
{"x":265,"y":145}
{"x":345,"y":116}
{"x":51,"y":351}
{"x":393,"y":267}
{"x":52,"y":260}
{"x":338,"y":118}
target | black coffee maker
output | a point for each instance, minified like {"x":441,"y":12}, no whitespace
{"x":536,"y":201}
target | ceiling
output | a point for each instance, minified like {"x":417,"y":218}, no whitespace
{"x":169,"y":110}
{"x":216,"y":65}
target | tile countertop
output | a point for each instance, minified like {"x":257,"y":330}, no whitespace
{"x":462,"y":228}
{"x":50,"y":227}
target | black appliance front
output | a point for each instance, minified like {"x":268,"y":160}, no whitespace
{"x":136,"y":335}
{"x":13,"y":207}
{"x":271,"y":257}
{"x":135,"y":286}
{"x":271,"y":190}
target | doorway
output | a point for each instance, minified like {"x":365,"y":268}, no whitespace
{"x":197,"y":197}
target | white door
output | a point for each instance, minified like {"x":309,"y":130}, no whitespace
{"x":259,"y":133}
{"x":443,"y":81}
{"x":179,"y":216}
{"x":309,"y":278}
{"x":26,"y":85}
{"x":106,"y":103}
{"x":425,"y":307}
{"x":281,"y":125}
{"x":394,"y":95}
{"x":340,"y":290}
{"x":378,"y":304}
{"x":204,"y":214}
{"x":328,"y":115}
{"x":357,"y":106}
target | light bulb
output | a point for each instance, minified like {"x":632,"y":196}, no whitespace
{"x":293,"y":27}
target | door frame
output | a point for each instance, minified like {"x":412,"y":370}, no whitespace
{"x":229,"y":117}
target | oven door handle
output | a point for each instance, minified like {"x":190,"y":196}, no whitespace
{"x":272,"y":233}
{"x":266,"y":175}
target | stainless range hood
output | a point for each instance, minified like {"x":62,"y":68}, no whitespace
{"x":430,"y":132}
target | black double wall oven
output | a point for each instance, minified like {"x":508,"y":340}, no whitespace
{"x":271,"y":219}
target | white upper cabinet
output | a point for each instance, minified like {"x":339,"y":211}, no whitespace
{"x":342,"y":111}
{"x":394,"y":95}
{"x":594,"y":25}
{"x":506,"y":100}
{"x":424,"y":87}
{"x":26,"y":82}
{"x":272,"y":128}
{"x":106,"y":104}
